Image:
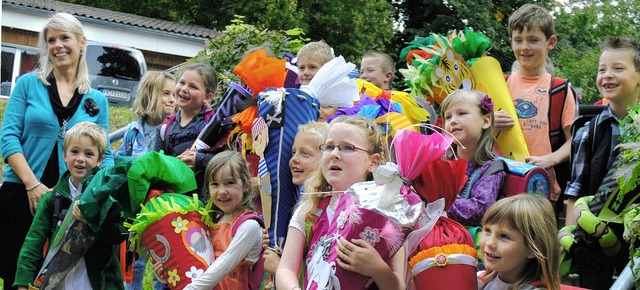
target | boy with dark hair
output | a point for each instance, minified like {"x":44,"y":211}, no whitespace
{"x":531,"y":32}
{"x":594,"y":155}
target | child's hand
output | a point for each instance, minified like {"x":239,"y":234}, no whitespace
{"x":158,"y":270}
{"x":189,"y":158}
{"x":265,"y":239}
{"x":542,"y":161}
{"x":77,"y":214}
{"x":271,"y":261}
{"x":360,"y":257}
{"x":503,"y":120}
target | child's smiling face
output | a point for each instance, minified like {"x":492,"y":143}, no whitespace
{"x":305,"y":157}
{"x":81,"y":157}
{"x":191,"y":92}
{"x":226,"y":191}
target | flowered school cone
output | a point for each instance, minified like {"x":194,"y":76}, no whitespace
{"x":173,"y":227}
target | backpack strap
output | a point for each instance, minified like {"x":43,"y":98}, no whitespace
{"x":243,"y":218}
{"x":257,"y":270}
{"x":496,"y":166}
{"x":164,"y":127}
{"x":60,"y":206}
{"x":558,"y":90}
{"x":208,"y":114}
{"x":313,"y":218}
{"x":595,"y":135}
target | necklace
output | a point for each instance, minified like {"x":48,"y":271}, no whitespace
{"x":63,"y":128}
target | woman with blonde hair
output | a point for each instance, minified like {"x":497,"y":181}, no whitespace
{"x":43,"y":105}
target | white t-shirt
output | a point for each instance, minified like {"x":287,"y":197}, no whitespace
{"x":247,"y":243}
{"x":297,"y":220}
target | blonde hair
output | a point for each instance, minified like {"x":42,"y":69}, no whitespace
{"x":385,"y":61}
{"x":148,"y":104}
{"x":88,"y":129}
{"x":318,"y":183}
{"x":531,"y":16}
{"x":484,"y":151}
{"x":318,"y":130}
{"x":239,"y":171}
{"x":65,"y":22}
{"x":317,"y":49}
{"x":534,"y":218}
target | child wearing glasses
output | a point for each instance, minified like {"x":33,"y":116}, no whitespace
{"x":352,"y":149}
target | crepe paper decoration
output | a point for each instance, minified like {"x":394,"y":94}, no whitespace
{"x":157,"y":207}
{"x":442,"y":179}
{"x":414,"y":48}
{"x":391,"y":122}
{"x":392,"y":110}
{"x":367,"y":88}
{"x":415,"y":151}
{"x":410,"y":108}
{"x":245,"y":119}
{"x":422,"y":69}
{"x":156,"y":170}
{"x":489,"y":79}
{"x":332,"y":86}
{"x":260,"y":71}
{"x":283,"y":110}
{"x":175,"y":229}
{"x":446,"y":258}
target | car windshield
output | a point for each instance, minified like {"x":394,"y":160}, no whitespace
{"x":113,"y":62}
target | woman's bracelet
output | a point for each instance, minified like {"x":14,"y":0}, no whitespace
{"x":34,"y":186}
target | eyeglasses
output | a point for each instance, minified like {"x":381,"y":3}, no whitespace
{"x":344,"y":148}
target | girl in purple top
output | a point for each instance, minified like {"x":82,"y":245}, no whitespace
{"x":468,"y":116}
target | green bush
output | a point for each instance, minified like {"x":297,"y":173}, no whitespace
{"x":225,"y":51}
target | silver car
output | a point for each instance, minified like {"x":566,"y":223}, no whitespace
{"x":115,"y":71}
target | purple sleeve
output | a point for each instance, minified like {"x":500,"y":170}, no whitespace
{"x":469,"y":211}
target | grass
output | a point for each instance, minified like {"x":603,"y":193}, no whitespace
{"x":118,"y":118}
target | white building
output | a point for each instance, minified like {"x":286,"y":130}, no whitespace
{"x":163,"y":43}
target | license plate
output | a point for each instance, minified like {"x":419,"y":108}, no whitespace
{"x":116,"y":94}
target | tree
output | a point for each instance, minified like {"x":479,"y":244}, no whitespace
{"x":581,"y":26}
{"x":225,"y":51}
{"x":350,"y":27}
{"x":422,"y":17}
